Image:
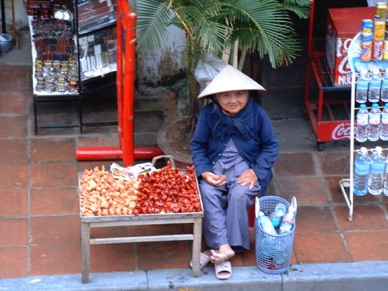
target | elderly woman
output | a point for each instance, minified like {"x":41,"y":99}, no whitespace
{"x":233,"y":148}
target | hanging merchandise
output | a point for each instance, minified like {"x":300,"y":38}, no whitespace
{"x":376,"y":175}
{"x":361,"y":172}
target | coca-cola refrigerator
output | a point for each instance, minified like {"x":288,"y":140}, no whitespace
{"x":328,"y":75}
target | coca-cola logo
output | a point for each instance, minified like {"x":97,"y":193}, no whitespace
{"x":341,"y":131}
{"x":343,"y":66}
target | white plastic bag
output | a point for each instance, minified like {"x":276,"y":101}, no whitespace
{"x":207,"y":68}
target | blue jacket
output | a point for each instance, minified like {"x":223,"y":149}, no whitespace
{"x":259,"y":152}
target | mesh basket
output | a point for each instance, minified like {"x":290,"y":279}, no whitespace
{"x":273,"y":253}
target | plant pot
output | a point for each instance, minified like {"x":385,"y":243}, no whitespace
{"x":173,"y":139}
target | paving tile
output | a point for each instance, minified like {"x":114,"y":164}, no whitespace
{"x":98,"y":141}
{"x":54,"y":200}
{"x":13,"y":202}
{"x":13,"y":126}
{"x":320,"y":248}
{"x":306,"y":189}
{"x":13,"y":150}
{"x":365,"y":217}
{"x":62,"y":149}
{"x":14,"y":262}
{"x":14,"y":175}
{"x":53,"y":174}
{"x":163,"y":255}
{"x":368,"y":245}
{"x":315,"y":219}
{"x":162,"y":229}
{"x":14,"y":102}
{"x":54,"y":259}
{"x":294,"y":165}
{"x":333,"y":163}
{"x":109,"y":232}
{"x":18,"y":80}
{"x":113,"y":258}
{"x":55,"y":229}
{"x":9,"y":237}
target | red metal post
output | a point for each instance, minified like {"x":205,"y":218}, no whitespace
{"x":125,"y":80}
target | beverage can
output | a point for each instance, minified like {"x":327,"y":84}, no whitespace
{"x":377,"y":50}
{"x":381,"y":10}
{"x":367,"y":30}
{"x":379,"y":29}
{"x":366,"y":50}
{"x":385,"y":50}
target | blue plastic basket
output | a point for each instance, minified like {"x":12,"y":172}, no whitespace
{"x":273,"y":253}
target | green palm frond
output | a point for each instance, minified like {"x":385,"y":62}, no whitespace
{"x":265,"y":26}
{"x":153,"y":19}
{"x":262,"y":25}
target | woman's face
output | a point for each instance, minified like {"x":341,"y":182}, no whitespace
{"x":232,"y":101}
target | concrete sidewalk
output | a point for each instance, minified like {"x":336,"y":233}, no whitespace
{"x":340,"y":276}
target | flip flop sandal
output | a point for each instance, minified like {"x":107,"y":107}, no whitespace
{"x":223,"y":270}
{"x":204,"y":260}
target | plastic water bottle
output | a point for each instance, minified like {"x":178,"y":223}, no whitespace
{"x":289,"y":218}
{"x":374,"y":123}
{"x":362,"y":86}
{"x":361,"y":172}
{"x":266,"y":224}
{"x":375,"y":86}
{"x":385,"y":185}
{"x":384,"y":123}
{"x":277,"y":215}
{"x":362,"y":123}
{"x":376,"y":175}
{"x":384,"y":87}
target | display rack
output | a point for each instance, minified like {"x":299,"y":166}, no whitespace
{"x":83,"y":42}
{"x":355,"y":64}
{"x":97,"y":48}
{"x":55,"y":68}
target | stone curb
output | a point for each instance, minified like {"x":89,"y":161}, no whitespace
{"x":331,"y":276}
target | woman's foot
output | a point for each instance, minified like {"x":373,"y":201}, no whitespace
{"x":224,"y":253}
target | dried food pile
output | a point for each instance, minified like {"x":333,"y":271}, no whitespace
{"x":167,"y":190}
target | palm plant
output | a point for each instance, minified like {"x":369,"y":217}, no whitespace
{"x":265,"y":26}
{"x":211,"y":26}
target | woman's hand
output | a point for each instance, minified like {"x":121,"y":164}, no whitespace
{"x":248,"y":177}
{"x":214,"y":179}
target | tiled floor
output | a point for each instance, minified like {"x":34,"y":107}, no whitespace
{"x":39,"y":219}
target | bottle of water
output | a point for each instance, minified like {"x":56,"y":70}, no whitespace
{"x":384,"y":87}
{"x":289,"y":218}
{"x":362,"y":86}
{"x":384,"y":123}
{"x":374,"y":123}
{"x":375,"y":86}
{"x":362,"y":123}
{"x":385,"y":184}
{"x":376,"y":175}
{"x":361,"y":172}
{"x":266,"y":224}
{"x":277,"y":215}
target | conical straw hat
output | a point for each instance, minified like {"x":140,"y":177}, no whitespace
{"x":230,"y":79}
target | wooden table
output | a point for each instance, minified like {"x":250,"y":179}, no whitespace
{"x":87,"y":223}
